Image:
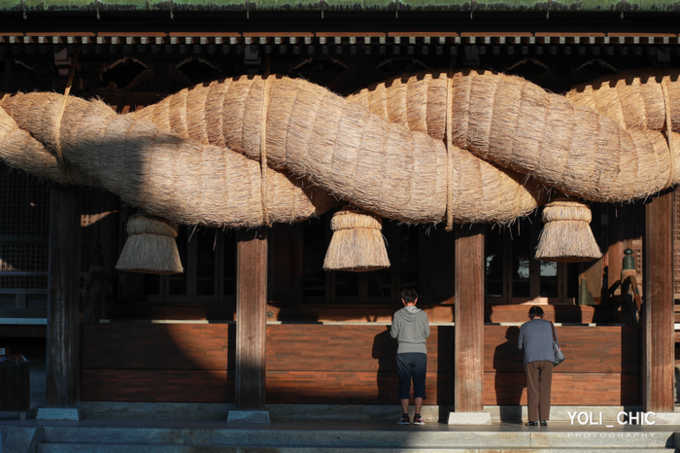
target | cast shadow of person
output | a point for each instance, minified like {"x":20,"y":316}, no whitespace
{"x":385,"y":351}
{"x":508,"y":362}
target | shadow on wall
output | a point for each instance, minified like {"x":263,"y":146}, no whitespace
{"x":510,"y":382}
{"x":445,"y":366}
{"x":385,"y":352}
{"x":173,"y":363}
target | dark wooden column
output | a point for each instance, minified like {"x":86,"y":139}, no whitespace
{"x":63,"y":329}
{"x":251,"y":313}
{"x":469,"y":319}
{"x":658,"y":346}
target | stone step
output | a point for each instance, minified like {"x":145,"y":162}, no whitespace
{"x":170,"y":448}
{"x":370,"y":435}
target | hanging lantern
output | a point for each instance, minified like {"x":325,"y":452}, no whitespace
{"x":357,"y":244}
{"x":566,"y":236}
{"x":150,"y":247}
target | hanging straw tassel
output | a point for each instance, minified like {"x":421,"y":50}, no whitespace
{"x":357,"y":244}
{"x":566,"y":235}
{"x":150,"y":247}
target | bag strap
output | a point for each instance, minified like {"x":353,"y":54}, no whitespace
{"x":553,"y":331}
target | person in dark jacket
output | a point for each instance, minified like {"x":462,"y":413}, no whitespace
{"x":410,"y":327}
{"x":536,"y":339}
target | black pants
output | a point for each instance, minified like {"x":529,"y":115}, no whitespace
{"x":412,"y":365}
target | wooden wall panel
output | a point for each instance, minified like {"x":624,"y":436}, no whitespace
{"x":159,"y":346}
{"x":353,"y":348}
{"x":587,"y":349}
{"x":366,"y":314}
{"x":177,"y":386}
{"x":158,"y":362}
{"x":341,"y":364}
{"x":337,"y":387}
{"x":568,"y":389}
{"x":555,"y":313}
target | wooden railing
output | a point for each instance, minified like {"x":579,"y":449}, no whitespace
{"x":21,"y":294}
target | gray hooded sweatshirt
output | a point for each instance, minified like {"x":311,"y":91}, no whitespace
{"x":410,"y":328}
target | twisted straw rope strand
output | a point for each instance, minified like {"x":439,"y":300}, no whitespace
{"x":60,"y":115}
{"x":407,"y":170}
{"x":263,"y":151}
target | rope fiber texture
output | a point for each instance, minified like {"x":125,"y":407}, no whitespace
{"x":454,"y":146}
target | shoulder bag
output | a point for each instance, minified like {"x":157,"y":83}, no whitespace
{"x":559,"y":356}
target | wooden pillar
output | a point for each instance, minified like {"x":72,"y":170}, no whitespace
{"x":251,"y":313}
{"x":63,"y":329}
{"x":469,"y":319}
{"x":658,"y":333}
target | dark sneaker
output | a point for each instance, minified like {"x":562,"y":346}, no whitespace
{"x":418,"y":420}
{"x":404,"y":420}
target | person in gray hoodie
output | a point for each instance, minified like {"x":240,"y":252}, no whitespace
{"x":410,"y":327}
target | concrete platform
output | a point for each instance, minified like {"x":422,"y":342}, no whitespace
{"x":184,"y":436}
{"x":321,"y":412}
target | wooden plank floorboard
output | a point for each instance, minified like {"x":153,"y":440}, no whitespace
{"x":327,"y":387}
{"x":177,"y":386}
{"x":606,"y":349}
{"x":589,"y":389}
{"x":159,"y":346}
{"x":350,"y":348}
{"x":341,"y":364}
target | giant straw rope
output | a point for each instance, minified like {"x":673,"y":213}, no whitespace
{"x":195,"y":157}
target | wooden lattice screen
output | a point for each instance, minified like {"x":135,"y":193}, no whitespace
{"x":24,"y":228}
